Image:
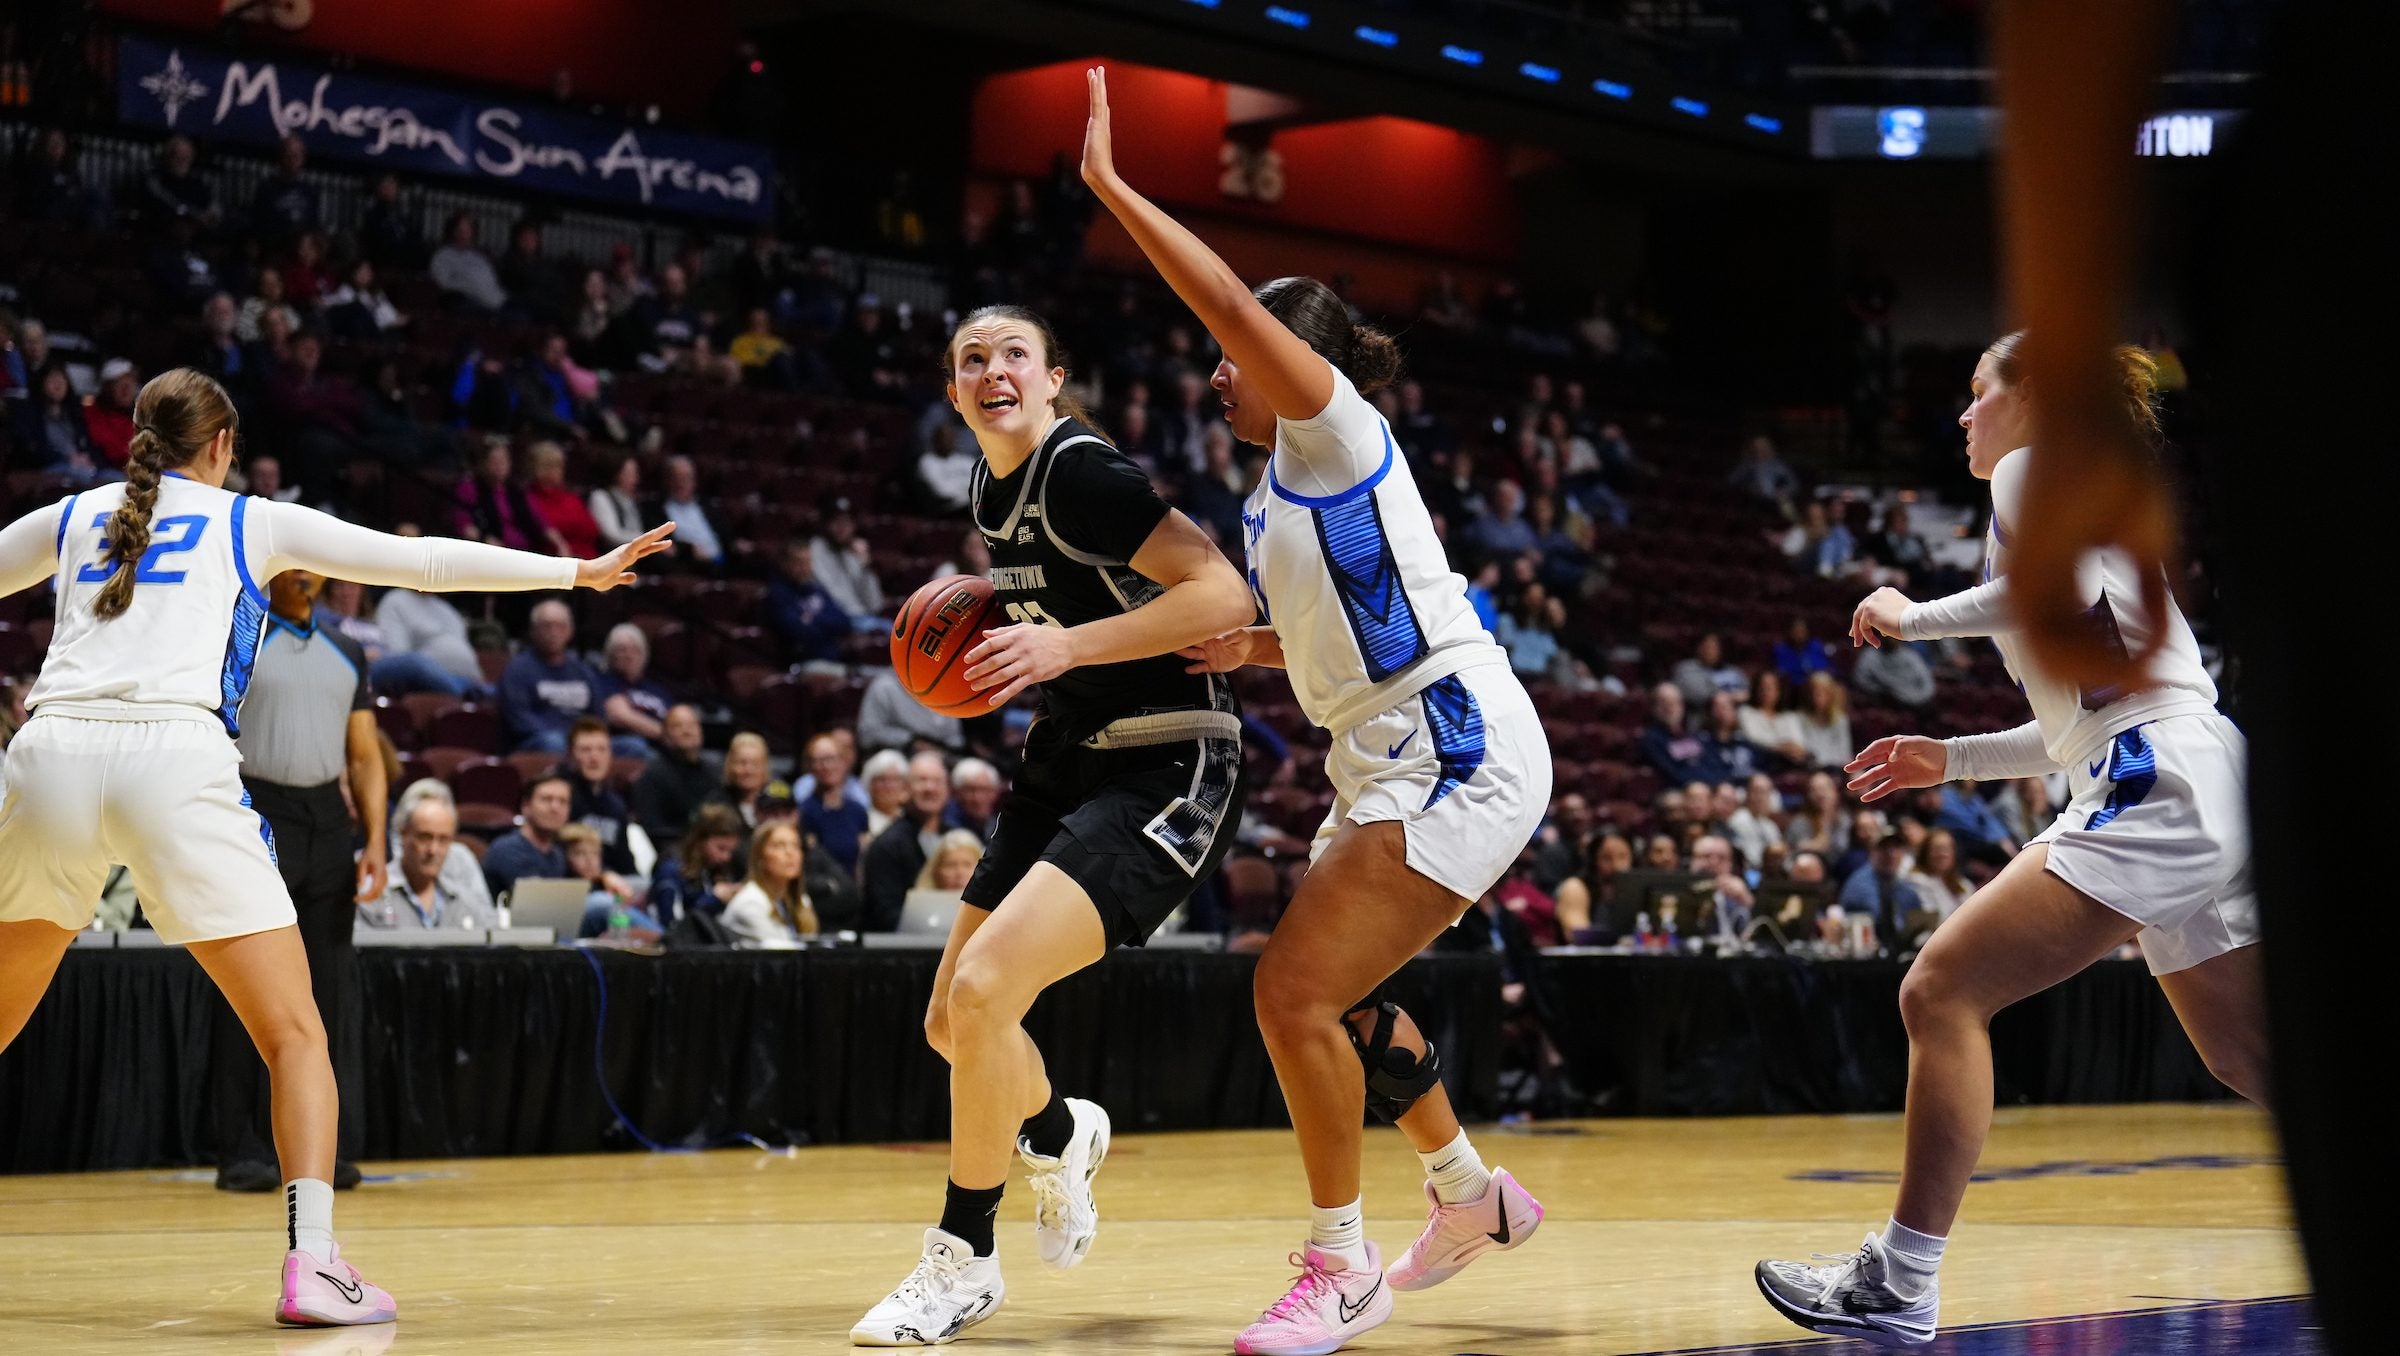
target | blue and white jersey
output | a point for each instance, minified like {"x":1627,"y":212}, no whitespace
{"x":186,"y":645}
{"x":1347,"y":568}
{"x":191,"y":634}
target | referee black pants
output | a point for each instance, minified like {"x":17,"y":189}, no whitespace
{"x":313,"y":836}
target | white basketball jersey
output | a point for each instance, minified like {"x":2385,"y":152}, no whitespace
{"x":2075,"y":722}
{"x":1348,"y":570}
{"x":192,"y":632}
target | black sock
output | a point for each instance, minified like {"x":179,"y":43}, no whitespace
{"x":1047,"y":1131}
{"x":968,"y":1212}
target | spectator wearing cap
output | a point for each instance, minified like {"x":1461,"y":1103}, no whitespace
{"x":1704,"y":673}
{"x":545,"y":689}
{"x":677,"y":781}
{"x":285,"y":205}
{"x":803,"y":612}
{"x":1880,"y":889}
{"x":593,"y":798}
{"x":531,"y":850}
{"x":463,"y":271}
{"x":845,"y":565}
{"x":1668,"y":743}
{"x":695,"y":537}
{"x":109,"y":418}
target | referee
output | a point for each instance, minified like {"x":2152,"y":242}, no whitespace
{"x":307,"y":723}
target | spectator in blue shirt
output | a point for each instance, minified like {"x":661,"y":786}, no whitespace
{"x":1800,"y":654}
{"x":1879,"y":891}
{"x":546,"y":689}
{"x":833,"y":816}
{"x":1981,"y":834}
{"x":1668,"y":743}
{"x":705,"y":869}
{"x":811,"y":624}
{"x":1503,"y":532}
{"x":1725,"y":756}
{"x":531,"y":850}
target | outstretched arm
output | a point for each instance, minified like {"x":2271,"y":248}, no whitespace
{"x":289,"y":536}
{"x":1296,"y":382}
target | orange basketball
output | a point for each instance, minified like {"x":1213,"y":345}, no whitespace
{"x":930,"y":638}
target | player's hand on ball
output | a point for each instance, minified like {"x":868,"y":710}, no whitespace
{"x":1099,"y":155}
{"x":602,"y":573}
{"x":1897,"y":763}
{"x":1222,"y":654}
{"x":1013,"y":658}
{"x":1877,"y":616}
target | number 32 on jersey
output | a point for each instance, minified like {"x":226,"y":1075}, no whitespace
{"x":1030,"y":614}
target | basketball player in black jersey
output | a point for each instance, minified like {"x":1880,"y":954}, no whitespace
{"x":1128,"y":798}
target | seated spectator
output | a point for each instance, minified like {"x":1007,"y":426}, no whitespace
{"x":1800,"y":541}
{"x":493,"y":508}
{"x":1755,"y":827}
{"x":1584,"y":899}
{"x":1880,"y":889}
{"x":388,"y":427}
{"x":23,"y":363}
{"x":428,"y":626}
{"x":1527,"y":636}
{"x":952,"y":863}
{"x":562,"y":397}
{"x":595,"y":802}
{"x":1503,"y":532}
{"x":590,"y":323}
{"x":1558,"y":847}
{"x":677,"y":782}
{"x":1799,"y":654}
{"x":771,"y":909}
{"x":1769,"y":727}
{"x":1867,"y":828}
{"x":802,"y":612}
{"x":1725,"y":756}
{"x":1982,"y":835}
{"x":420,"y":891}
{"x":974,"y":796}
{"x":1898,"y":549}
{"x":359,"y":309}
{"x":616,"y":505}
{"x":866,"y":356}
{"x":224,"y":356}
{"x":533,"y":284}
{"x":387,"y":230}
{"x":174,"y":190}
{"x":1895,"y":671}
{"x":545,"y":689}
{"x":1213,"y":497}
{"x":1825,"y":726}
{"x":1821,"y":825}
{"x":886,"y":779}
{"x":556,"y":503}
{"x":1837,"y":550}
{"x":265,"y":474}
{"x":250,"y":324}
{"x":2026,"y":808}
{"x":109,"y":418}
{"x":705,"y":871}
{"x":766,"y":360}
{"x":531,"y":849}
{"x":695,"y":537}
{"x":749,"y":779}
{"x":1668,"y":743}
{"x":831,"y":816}
{"x":1763,"y":475}
{"x":320,"y":411}
{"x":632,"y":703}
{"x":393,"y":671}
{"x":285,"y":207}
{"x":662,"y":327}
{"x":55,"y":439}
{"x":944,"y":469}
{"x":1724,"y":915}
{"x":1705,"y":673}
{"x":1939,"y":884}
{"x":463,"y":271}
{"x":889,"y":718}
{"x":305,"y":273}
{"x":613,"y":903}
{"x":900,"y":852}
{"x":845,"y":565}
{"x":1662,"y":853}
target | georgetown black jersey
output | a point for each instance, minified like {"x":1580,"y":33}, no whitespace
{"x":1061,"y":529}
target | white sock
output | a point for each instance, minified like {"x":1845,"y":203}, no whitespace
{"x":1915,"y":1258}
{"x":1340,"y":1231}
{"x":308,"y":1217}
{"x":1456,"y":1171}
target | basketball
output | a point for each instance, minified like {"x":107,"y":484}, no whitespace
{"x":930,"y":638}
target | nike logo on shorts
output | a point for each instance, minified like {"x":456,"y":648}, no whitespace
{"x":1394,"y":750}
{"x":2096,"y":767}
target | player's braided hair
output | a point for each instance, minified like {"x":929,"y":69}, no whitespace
{"x":176,"y":416}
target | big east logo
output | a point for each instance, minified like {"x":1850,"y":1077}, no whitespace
{"x":933,"y":630}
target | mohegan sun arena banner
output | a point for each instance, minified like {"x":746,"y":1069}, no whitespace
{"x":262,"y":99}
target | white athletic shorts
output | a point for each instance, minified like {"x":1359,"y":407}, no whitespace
{"x":162,"y":797}
{"x":1464,"y":764}
{"x":2158,"y":828}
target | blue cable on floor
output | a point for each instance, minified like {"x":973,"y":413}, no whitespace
{"x":600,"y":1077}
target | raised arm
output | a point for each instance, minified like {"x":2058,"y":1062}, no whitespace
{"x":288,"y":536}
{"x":29,"y":549}
{"x":1296,"y":382}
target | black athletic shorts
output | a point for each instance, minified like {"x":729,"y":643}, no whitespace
{"x":1138,"y":828}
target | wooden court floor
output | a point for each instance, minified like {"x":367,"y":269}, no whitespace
{"x":1652,"y":1229}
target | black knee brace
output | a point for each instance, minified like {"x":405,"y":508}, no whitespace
{"x":1396,"y":1077}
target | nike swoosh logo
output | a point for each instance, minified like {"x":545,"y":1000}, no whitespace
{"x":1351,"y":1312}
{"x":1394,"y":750}
{"x":2099,"y":765}
{"x":1500,"y":1235}
{"x":968,"y":1314}
{"x":351,"y":1290}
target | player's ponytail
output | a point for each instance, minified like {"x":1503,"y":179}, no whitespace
{"x":178,"y":414}
{"x":2137,"y":381}
{"x":1308,"y":308}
